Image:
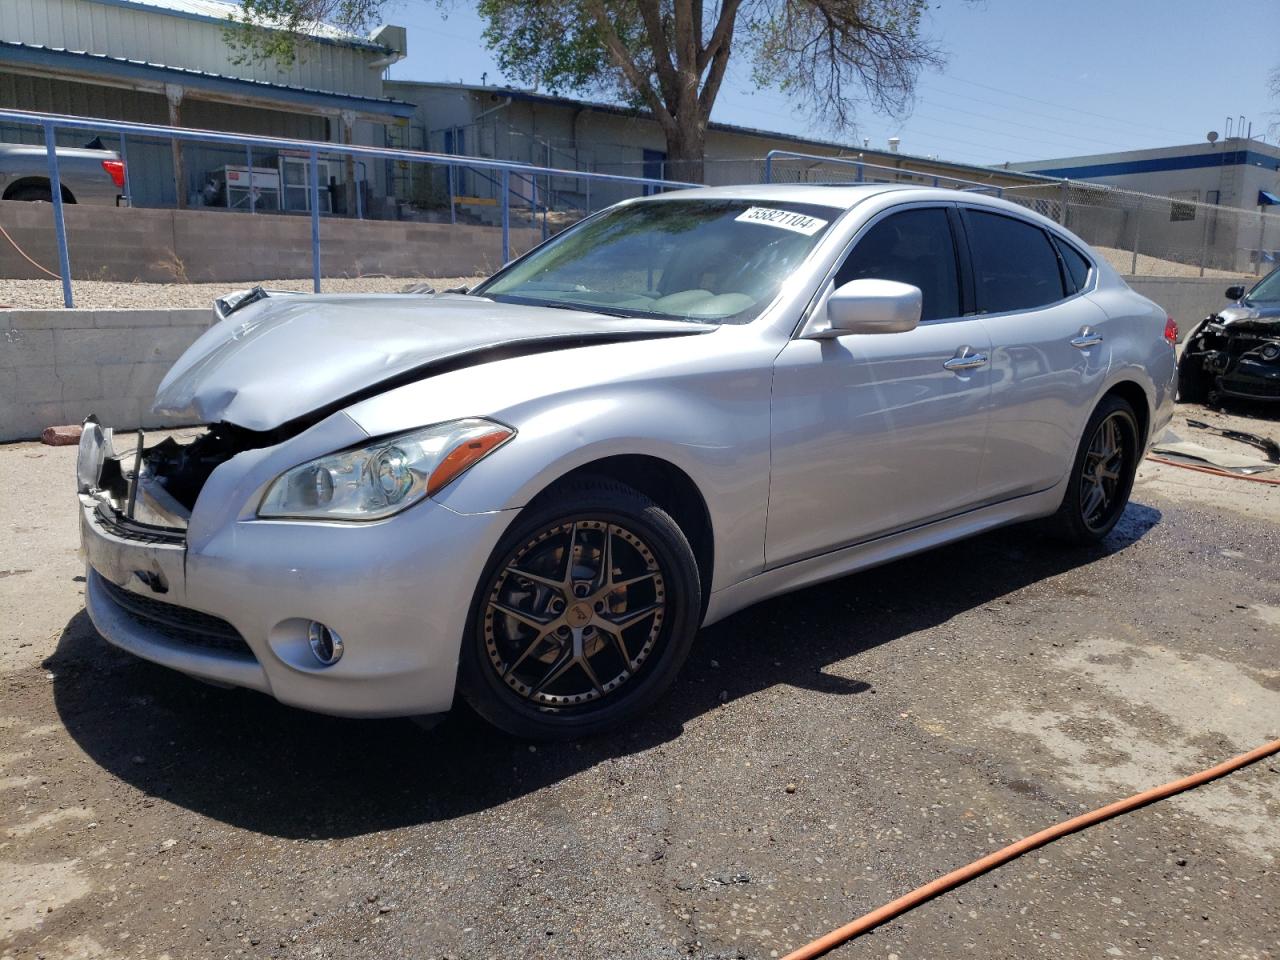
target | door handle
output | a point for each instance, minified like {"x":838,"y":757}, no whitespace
{"x":967,"y":361}
{"x":1087,"y":338}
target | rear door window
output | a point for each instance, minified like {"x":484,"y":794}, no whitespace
{"x":915,"y":247}
{"x":1077,"y":266}
{"x":1014,"y":263}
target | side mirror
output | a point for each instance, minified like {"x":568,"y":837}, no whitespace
{"x":1236,"y":292}
{"x":873,"y":306}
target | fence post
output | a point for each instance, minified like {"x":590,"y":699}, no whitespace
{"x":1137,"y":234}
{"x":453,"y":211}
{"x":768,"y":168}
{"x":313,"y":163}
{"x":59,"y":225}
{"x":506,"y":216}
{"x":546,"y":210}
{"x":248,"y":159}
{"x":861,"y":173}
{"x":124,"y":159}
{"x":1262,"y":236}
{"x":1204,"y":238}
{"x":1066,"y":198}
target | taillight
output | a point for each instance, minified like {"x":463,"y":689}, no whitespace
{"x":115,"y":168}
{"x":1171,"y":330}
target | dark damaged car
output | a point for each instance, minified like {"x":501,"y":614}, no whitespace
{"x":1236,"y":352}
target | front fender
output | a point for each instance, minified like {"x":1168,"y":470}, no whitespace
{"x":722,"y":447}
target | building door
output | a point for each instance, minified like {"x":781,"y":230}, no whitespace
{"x":655,"y":168}
{"x":455,"y":142}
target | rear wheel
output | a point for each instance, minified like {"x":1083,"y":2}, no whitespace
{"x":1102,"y":474}
{"x":38,"y":194}
{"x":584,"y":615}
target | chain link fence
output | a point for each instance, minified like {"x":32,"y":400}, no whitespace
{"x":1147,"y":235}
{"x":1140,"y":234}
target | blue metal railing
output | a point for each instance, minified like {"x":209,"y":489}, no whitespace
{"x":861,"y":166}
{"x":51,"y":123}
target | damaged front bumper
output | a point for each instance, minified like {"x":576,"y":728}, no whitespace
{"x":228,"y":598}
{"x":1234,"y":359}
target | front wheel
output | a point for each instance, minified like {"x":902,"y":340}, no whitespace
{"x":584,"y":615}
{"x":1101,"y":475}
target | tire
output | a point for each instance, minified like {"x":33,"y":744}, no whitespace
{"x":36,"y":194}
{"x":537,"y":660}
{"x":1193,"y":382}
{"x":1078,"y":521}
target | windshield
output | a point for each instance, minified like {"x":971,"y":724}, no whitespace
{"x":1266,"y":290}
{"x":706,"y":260}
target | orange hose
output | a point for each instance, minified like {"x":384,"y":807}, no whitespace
{"x":22,"y":253}
{"x":992,"y":860}
{"x":1214,"y":471}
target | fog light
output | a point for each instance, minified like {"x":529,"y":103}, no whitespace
{"x":325,"y":643}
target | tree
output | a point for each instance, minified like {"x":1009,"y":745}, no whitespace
{"x":671,"y":56}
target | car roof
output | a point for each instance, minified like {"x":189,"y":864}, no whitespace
{"x":847,"y":196}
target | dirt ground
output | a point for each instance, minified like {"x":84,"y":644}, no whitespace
{"x":822,"y":754}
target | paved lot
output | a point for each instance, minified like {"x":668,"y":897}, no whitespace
{"x":823,"y":753}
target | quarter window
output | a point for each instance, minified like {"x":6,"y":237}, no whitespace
{"x":1014,"y":265}
{"x":915,"y":247}
{"x":1077,"y":266}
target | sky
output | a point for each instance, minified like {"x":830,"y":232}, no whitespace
{"x":1024,"y":79}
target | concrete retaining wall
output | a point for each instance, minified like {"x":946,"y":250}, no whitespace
{"x":58,"y":366}
{"x":1188,"y":300}
{"x":162,"y":246}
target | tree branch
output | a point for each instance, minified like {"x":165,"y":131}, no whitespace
{"x":721,"y":34}
{"x":638,"y":80}
{"x":668,"y":80}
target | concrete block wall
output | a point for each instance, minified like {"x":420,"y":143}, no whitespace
{"x":164,"y":246}
{"x":58,"y":366}
{"x":1187,"y":299}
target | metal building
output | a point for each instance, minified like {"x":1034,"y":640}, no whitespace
{"x":171,"y":62}
{"x":1231,"y":172}
{"x":525,"y":126}
{"x":1218,"y":198}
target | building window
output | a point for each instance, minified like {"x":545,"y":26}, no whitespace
{"x":1185,"y":210}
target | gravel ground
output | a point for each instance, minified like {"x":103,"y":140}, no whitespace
{"x":822,"y":754}
{"x":1147,"y":266}
{"x":104,"y":294}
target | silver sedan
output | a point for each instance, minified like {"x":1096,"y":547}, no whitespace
{"x":533,"y":493}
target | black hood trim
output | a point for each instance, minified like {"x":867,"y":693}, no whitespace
{"x":472,"y":358}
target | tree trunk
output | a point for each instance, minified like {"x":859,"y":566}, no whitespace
{"x":686,"y":146}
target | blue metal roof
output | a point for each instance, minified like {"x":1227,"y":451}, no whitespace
{"x":17,"y":54}
{"x":1120,"y":168}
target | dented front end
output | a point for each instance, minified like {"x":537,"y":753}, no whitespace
{"x":1234,"y":357}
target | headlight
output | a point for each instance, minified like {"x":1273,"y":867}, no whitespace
{"x":384,"y":477}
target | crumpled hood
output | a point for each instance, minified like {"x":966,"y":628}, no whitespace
{"x":284,"y":357}
{"x":1240,"y":311}
{"x":1241,"y":319}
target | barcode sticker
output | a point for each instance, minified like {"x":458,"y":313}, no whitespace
{"x":784,"y":219}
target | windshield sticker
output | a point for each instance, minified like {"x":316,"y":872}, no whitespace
{"x":795,"y":222}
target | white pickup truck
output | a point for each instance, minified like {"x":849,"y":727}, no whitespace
{"x":89,"y":174}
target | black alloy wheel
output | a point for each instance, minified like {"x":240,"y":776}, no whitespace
{"x":1102,"y":474}
{"x":584,"y":615}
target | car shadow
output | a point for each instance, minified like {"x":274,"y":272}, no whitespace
{"x":241,"y":758}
